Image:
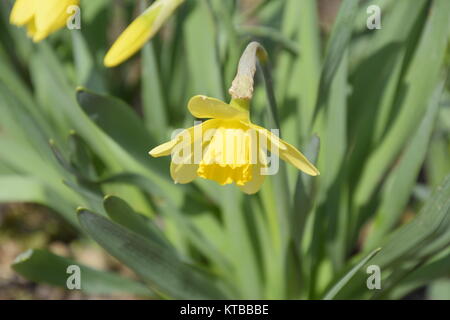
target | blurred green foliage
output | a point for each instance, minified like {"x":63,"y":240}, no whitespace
{"x":372,"y":107}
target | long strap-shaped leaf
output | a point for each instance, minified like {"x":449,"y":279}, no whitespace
{"x":45,"y":267}
{"x":341,"y":283}
{"x":421,"y":238}
{"x":339,"y":40}
{"x":159,"y":267}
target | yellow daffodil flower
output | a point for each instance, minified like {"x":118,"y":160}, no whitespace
{"x":42,"y":17}
{"x":227,"y":148}
{"x":140,"y":31}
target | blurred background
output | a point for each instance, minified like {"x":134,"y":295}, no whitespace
{"x":365,"y":103}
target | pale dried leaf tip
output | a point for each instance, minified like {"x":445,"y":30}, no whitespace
{"x":242,"y":85}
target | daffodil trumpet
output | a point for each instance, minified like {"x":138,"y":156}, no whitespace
{"x":228,"y":147}
{"x":142,"y":29}
{"x":41,"y":18}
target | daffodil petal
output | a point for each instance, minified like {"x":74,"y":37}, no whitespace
{"x":164,"y":149}
{"x":298,"y":160}
{"x":134,"y":37}
{"x":50,"y":16}
{"x":31,"y":28}
{"x":269,"y":136}
{"x":288,"y":153}
{"x":255,"y":184}
{"x":140,"y":31}
{"x":22,"y":12}
{"x":184,"y":170}
{"x":183,"y":173}
{"x":205,"y":107}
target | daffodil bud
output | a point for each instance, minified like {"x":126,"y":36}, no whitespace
{"x":142,"y":29}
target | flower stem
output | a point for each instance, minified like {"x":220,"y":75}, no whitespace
{"x":242,"y":88}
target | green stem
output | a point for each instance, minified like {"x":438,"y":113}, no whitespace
{"x":280,"y":180}
{"x":242,"y":88}
{"x":271,"y":34}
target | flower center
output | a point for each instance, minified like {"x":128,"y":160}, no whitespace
{"x":229,"y":157}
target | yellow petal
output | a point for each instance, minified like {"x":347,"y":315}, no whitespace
{"x":226,"y":174}
{"x":255,"y":184}
{"x":298,"y":160}
{"x":227,"y":158}
{"x":269,"y":136}
{"x":183,"y":169}
{"x":51,"y":15}
{"x":22,"y":12}
{"x":166,"y":148}
{"x":31,"y":28}
{"x":206,"y":107}
{"x":140,"y":31}
{"x":288,"y":153}
{"x":183,"y":173}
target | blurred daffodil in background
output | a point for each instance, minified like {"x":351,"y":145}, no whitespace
{"x":140,"y":31}
{"x":41,"y":18}
{"x":230,"y":147}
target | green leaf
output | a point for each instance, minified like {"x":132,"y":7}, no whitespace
{"x":28,"y":126}
{"x":19,"y":189}
{"x":270,"y":34}
{"x":203,"y":63}
{"x":419,"y":84}
{"x":120,"y":212}
{"x":52,"y":87}
{"x":117,"y":120}
{"x":440,"y":290}
{"x":88,"y":74}
{"x":402,"y":180}
{"x":437,"y":268}
{"x":306,"y":70}
{"x":57,"y":100}
{"x":82,"y":185}
{"x":81,"y":157}
{"x":15,"y":188}
{"x":386,"y":53}
{"x":414,"y":239}
{"x":153,"y":103}
{"x":337,"y":44}
{"x":424,"y":236}
{"x":16,"y":87}
{"x":281,"y":191}
{"x":289,"y":25}
{"x":304,"y":195}
{"x":126,"y":130}
{"x":345,"y":279}
{"x":159,"y":267}
{"x":304,"y":200}
{"x":330,"y":218}
{"x":334,"y":132}
{"x":170,"y":209}
{"x":82,"y":58}
{"x":240,"y":249}
{"x":45,"y":267}
{"x":375,"y":100}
